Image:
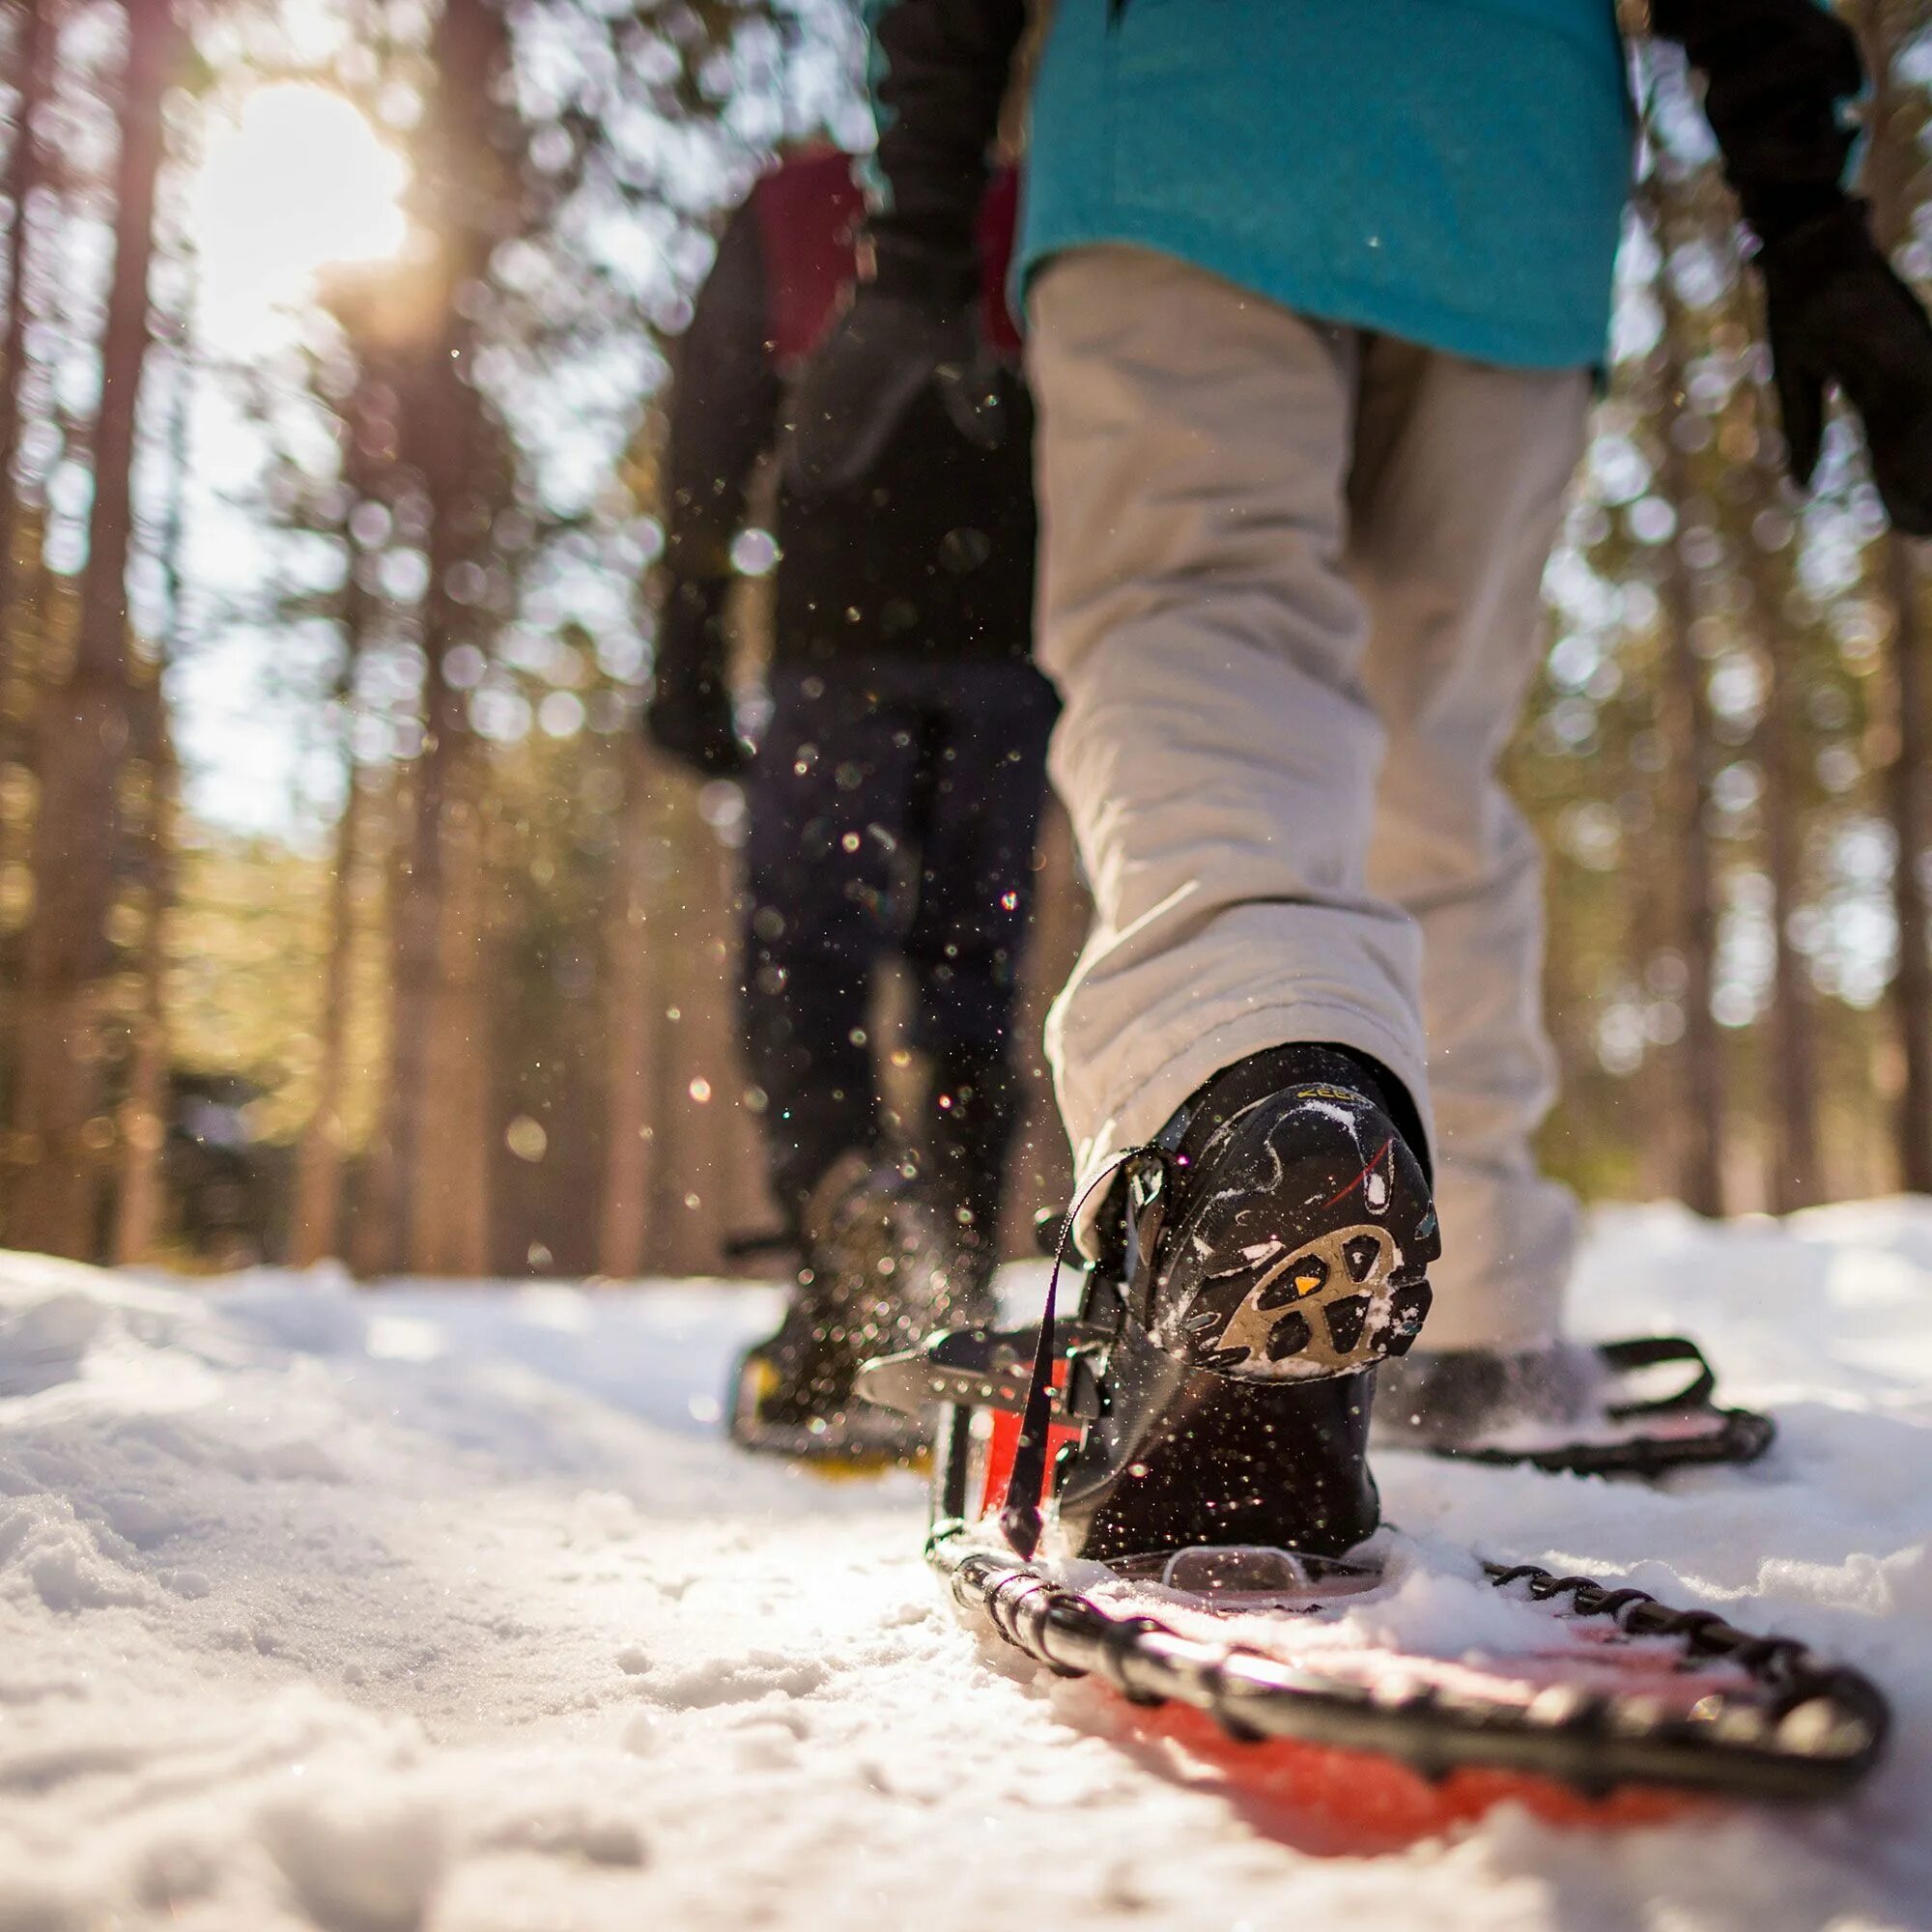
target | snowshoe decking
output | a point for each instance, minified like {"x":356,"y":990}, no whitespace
{"x":1608,"y":1689}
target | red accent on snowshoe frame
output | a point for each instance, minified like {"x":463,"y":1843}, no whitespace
{"x":1004,"y":1439}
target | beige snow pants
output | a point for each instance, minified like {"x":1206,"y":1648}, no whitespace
{"x":1288,"y":592}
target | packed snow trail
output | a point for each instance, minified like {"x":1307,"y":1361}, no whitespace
{"x":449,"y":1609}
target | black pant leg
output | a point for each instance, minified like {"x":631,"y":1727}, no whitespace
{"x":827,"y":800}
{"x":984,"y":786}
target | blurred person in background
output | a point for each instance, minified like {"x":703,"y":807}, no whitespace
{"x":893,"y":797}
{"x":1315,"y":294}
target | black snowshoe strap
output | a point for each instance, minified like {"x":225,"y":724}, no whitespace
{"x":1648,"y":1351}
{"x":1020,"y":1521}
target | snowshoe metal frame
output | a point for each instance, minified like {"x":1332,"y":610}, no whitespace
{"x":1818,"y":1732}
{"x":1799,"y":1730}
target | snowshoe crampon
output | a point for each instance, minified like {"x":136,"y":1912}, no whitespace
{"x":1569,"y":1681}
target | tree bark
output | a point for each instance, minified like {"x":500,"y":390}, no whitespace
{"x":143,"y":1113}
{"x":316,"y":1223}
{"x":376,"y":1231}
{"x":1889,"y":162}
{"x":1908,"y":781}
{"x":1794,"y":1181}
{"x":449,"y":1200}
{"x":634,"y":1026}
{"x":418,"y":923}
{"x":438,"y":1090}
{"x":139,"y":1203}
{"x":23,"y":175}
{"x":24,"y":171}
{"x":83,"y":729}
{"x":1687,"y":721}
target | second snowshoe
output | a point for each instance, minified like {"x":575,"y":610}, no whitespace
{"x":1574,"y":1409}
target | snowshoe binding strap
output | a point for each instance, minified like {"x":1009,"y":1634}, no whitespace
{"x":1020,"y":1521}
{"x":1648,"y":1352}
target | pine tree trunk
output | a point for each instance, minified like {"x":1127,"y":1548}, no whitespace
{"x":83,"y":730}
{"x":418,"y":919}
{"x":449,"y":1195}
{"x":23,"y":172}
{"x":1907,"y":783}
{"x":1686,"y":723}
{"x":438,"y":1070}
{"x":316,"y":1223}
{"x":376,"y":1226}
{"x":1889,"y":162}
{"x":143,"y":1113}
{"x":1794,"y":1181}
{"x":633,"y":1025}
{"x":24,"y":169}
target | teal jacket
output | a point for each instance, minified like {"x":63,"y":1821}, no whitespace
{"x":1452,"y":172}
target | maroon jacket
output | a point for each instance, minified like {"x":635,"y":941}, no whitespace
{"x":931,"y":553}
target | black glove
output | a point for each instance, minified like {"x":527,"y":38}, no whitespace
{"x":916,"y":320}
{"x":690,"y":714}
{"x":1837,"y":312}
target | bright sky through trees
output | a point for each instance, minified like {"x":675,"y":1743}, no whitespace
{"x":298,"y":182}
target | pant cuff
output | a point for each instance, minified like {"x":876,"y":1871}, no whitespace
{"x":1158,"y":1095}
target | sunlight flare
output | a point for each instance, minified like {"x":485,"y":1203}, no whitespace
{"x":297,"y":182}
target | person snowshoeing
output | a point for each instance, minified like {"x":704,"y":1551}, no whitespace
{"x":895,"y":793}
{"x":1315,"y":293}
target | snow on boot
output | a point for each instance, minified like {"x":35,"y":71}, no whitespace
{"x":1272,"y":1252}
{"x":1573,"y":1408}
{"x":884,"y":1267}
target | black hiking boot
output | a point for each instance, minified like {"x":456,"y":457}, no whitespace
{"x":1262,"y":1261}
{"x":885,"y":1265}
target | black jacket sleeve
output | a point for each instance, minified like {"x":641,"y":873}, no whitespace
{"x":1776,"y":72}
{"x":725,"y":409}
{"x":945,"y":72}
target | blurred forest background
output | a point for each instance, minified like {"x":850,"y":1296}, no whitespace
{"x":342,"y":912}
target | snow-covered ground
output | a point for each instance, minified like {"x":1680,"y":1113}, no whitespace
{"x":449,"y":1608}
